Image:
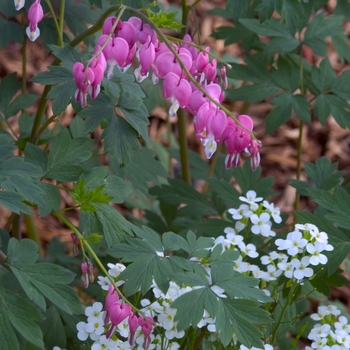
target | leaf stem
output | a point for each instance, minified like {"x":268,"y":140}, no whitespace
{"x":84,"y":242}
{"x":61,"y":23}
{"x":32,"y":231}
{"x":283,"y":311}
{"x":212,"y":168}
{"x":200,"y":338}
{"x":48,"y":2}
{"x":301,"y":124}
{"x":24,"y":60}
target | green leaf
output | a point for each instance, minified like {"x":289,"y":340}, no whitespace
{"x":323,"y":77}
{"x":341,"y":46}
{"x":190,"y":307}
{"x":301,"y":107}
{"x":135,"y":113}
{"x":251,"y":93}
{"x":66,"y":155}
{"x":10,"y":31}
{"x":114,"y":225}
{"x":14,"y":202}
{"x":293,"y":14}
{"x":53,"y":329}
{"x":120,"y":139}
{"x":7,"y":334}
{"x":164,"y":19}
{"x":22,"y":316}
{"x":322,"y":108}
{"x":265,"y":9}
{"x":248,"y":179}
{"x":281,"y":113}
{"x":247,"y":333}
{"x":8,"y":87}
{"x":86,"y":199}
{"x":22,"y":101}
{"x":40,"y":280}
{"x":318,"y":29}
{"x":272,"y":27}
{"x":237,"y":8}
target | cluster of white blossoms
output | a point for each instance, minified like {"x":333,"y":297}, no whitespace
{"x":304,"y":245}
{"x":333,"y":331}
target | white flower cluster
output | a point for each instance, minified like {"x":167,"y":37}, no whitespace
{"x":259,"y":215}
{"x":333,"y":331}
{"x":304,"y":245}
{"x":266,"y":347}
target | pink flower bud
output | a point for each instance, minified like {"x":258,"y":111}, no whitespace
{"x":146,"y":325}
{"x":35,"y":15}
{"x":84,"y":77}
{"x":202,"y":60}
{"x":210,"y":70}
{"x":75,"y":240}
{"x":224,"y":77}
{"x":128,"y":33}
{"x":91,"y":272}
{"x":108,"y":25}
{"x":85,"y":275}
{"x":133,"y":325}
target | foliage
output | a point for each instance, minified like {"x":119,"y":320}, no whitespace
{"x":196,"y":249}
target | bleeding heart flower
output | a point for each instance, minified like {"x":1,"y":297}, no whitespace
{"x":35,"y":15}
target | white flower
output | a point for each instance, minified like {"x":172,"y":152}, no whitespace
{"x":115,"y":269}
{"x":342,"y":324}
{"x":206,"y":319}
{"x":167,"y":318}
{"x":96,"y":326}
{"x":343,"y":338}
{"x":274,"y":212}
{"x":300,"y":268}
{"x":287,"y":268}
{"x":240,"y":265}
{"x":104,"y":344}
{"x":315,"y":251}
{"x":319,"y":343}
{"x":82,"y":333}
{"x":319,"y":331}
{"x":257,"y":273}
{"x":251,"y":199}
{"x":123,"y":328}
{"x":262,"y":224}
{"x":242,"y":212}
{"x":306,"y":227}
{"x":94,"y":311}
{"x":332,"y":310}
{"x":174,"y":333}
{"x":218,"y":291}
{"x":239,"y":226}
{"x":322,"y":312}
{"x":104,"y":282}
{"x":293,"y":243}
{"x":273,"y":272}
{"x":232,"y":239}
{"x":248,"y":249}
{"x":267,"y":259}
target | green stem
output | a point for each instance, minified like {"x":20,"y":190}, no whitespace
{"x":185,"y":164}
{"x":24,"y":61}
{"x":39,"y":114}
{"x":32,"y":231}
{"x":3,"y":256}
{"x":185,"y":11}
{"x":94,"y":256}
{"x":95,"y":28}
{"x":212,"y":168}
{"x":44,"y":126}
{"x":301,"y":124}
{"x":283,"y":311}
{"x":16,"y":226}
{"x":48,"y":2}
{"x":200,"y":338}
{"x":61,"y":23}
